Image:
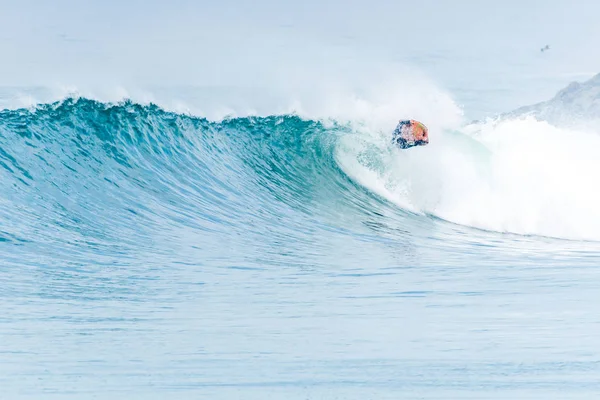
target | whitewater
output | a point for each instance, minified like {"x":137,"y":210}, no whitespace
{"x":203,"y":201}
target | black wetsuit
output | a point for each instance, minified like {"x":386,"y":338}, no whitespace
{"x":397,"y":138}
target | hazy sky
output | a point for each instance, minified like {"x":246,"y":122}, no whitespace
{"x":461,"y":44}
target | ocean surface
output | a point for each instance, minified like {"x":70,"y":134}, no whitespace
{"x":215,"y":235}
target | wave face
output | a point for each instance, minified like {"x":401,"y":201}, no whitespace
{"x":84,"y":177}
{"x":82,"y":173}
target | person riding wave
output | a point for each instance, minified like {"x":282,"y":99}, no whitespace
{"x":410,"y":133}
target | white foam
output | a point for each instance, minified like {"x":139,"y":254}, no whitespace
{"x":535,"y":179}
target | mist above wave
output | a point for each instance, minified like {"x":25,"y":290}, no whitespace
{"x":577,"y":105}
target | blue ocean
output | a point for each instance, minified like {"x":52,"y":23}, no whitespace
{"x":234,"y":222}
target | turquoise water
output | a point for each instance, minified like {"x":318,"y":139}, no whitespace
{"x":204,"y":202}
